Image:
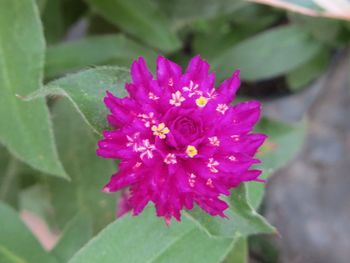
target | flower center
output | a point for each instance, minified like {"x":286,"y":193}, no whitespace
{"x":185,"y":126}
{"x":191,"y":151}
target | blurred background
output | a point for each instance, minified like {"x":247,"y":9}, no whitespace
{"x":294,"y":57}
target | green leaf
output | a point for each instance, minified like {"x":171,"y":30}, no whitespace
{"x":86,"y":90}
{"x":242,"y":220}
{"x":17,"y":244}
{"x":36,"y":199}
{"x":239,"y":253}
{"x":323,"y":29}
{"x":282,"y":145}
{"x":141,"y":19}
{"x":152,"y":241}
{"x":25,"y":127}
{"x":303,"y":75}
{"x":77,"y":232}
{"x":7,"y":256}
{"x":41,"y":4}
{"x":77,"y":145}
{"x":92,"y":51}
{"x":268,"y":54}
{"x":182,"y":12}
{"x":8,"y":178}
{"x":53,"y":20}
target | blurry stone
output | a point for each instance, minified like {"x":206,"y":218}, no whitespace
{"x":309,"y":200}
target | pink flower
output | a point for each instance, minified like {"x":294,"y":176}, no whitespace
{"x":179,"y":140}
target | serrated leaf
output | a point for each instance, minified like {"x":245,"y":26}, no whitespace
{"x":17,"y":244}
{"x":93,"y":51}
{"x":86,"y":90}
{"x":242,"y":219}
{"x":140,"y":18}
{"x":89,"y":173}
{"x":77,"y":232}
{"x":25,"y":127}
{"x":146,"y":238}
{"x":268,"y":54}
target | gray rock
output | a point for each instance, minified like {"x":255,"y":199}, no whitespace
{"x":309,"y":200}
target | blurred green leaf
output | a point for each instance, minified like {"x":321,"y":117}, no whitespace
{"x":268,"y":54}
{"x":76,"y":145}
{"x":41,"y":4}
{"x":8,"y":178}
{"x":25,"y":127}
{"x":303,"y":75}
{"x":216,"y":36}
{"x":77,"y":232}
{"x":17,"y":244}
{"x":323,"y":29}
{"x":36,"y":199}
{"x":183,"y":12}
{"x":86,"y":90}
{"x":152,"y":241}
{"x":264,"y":249}
{"x":242,"y":220}
{"x":53,"y":21}
{"x":239,"y":253}
{"x":140,"y":18}
{"x":92,"y":51}
{"x":282,"y":145}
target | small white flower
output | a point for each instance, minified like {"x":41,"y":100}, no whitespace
{"x":170,"y":159}
{"x":212,"y":94}
{"x":132,"y":141}
{"x":212,"y":165}
{"x":176,"y":99}
{"x":148,"y":119}
{"x":222,"y":108}
{"x":152,"y":96}
{"x":192,"y":89}
{"x":146,"y":149}
{"x":214,"y":141}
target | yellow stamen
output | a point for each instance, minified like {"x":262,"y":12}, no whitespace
{"x":161,"y":130}
{"x":191,"y":151}
{"x":201,"y":101}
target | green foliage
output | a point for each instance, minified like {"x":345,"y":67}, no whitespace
{"x":17,"y":244}
{"x":181,"y":242}
{"x":78,"y":231}
{"x":76,"y":146}
{"x":51,"y":96}
{"x":239,"y":253}
{"x":25,"y":128}
{"x":284,"y":142}
{"x":300,"y":77}
{"x":93,"y":51}
{"x":272,"y":49}
{"x":86,"y":90}
{"x":242,"y":219}
{"x":140,"y":18}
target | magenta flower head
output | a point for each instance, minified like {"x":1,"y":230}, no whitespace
{"x":179,"y":140}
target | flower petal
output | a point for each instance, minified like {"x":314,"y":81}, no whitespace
{"x":227,"y":90}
